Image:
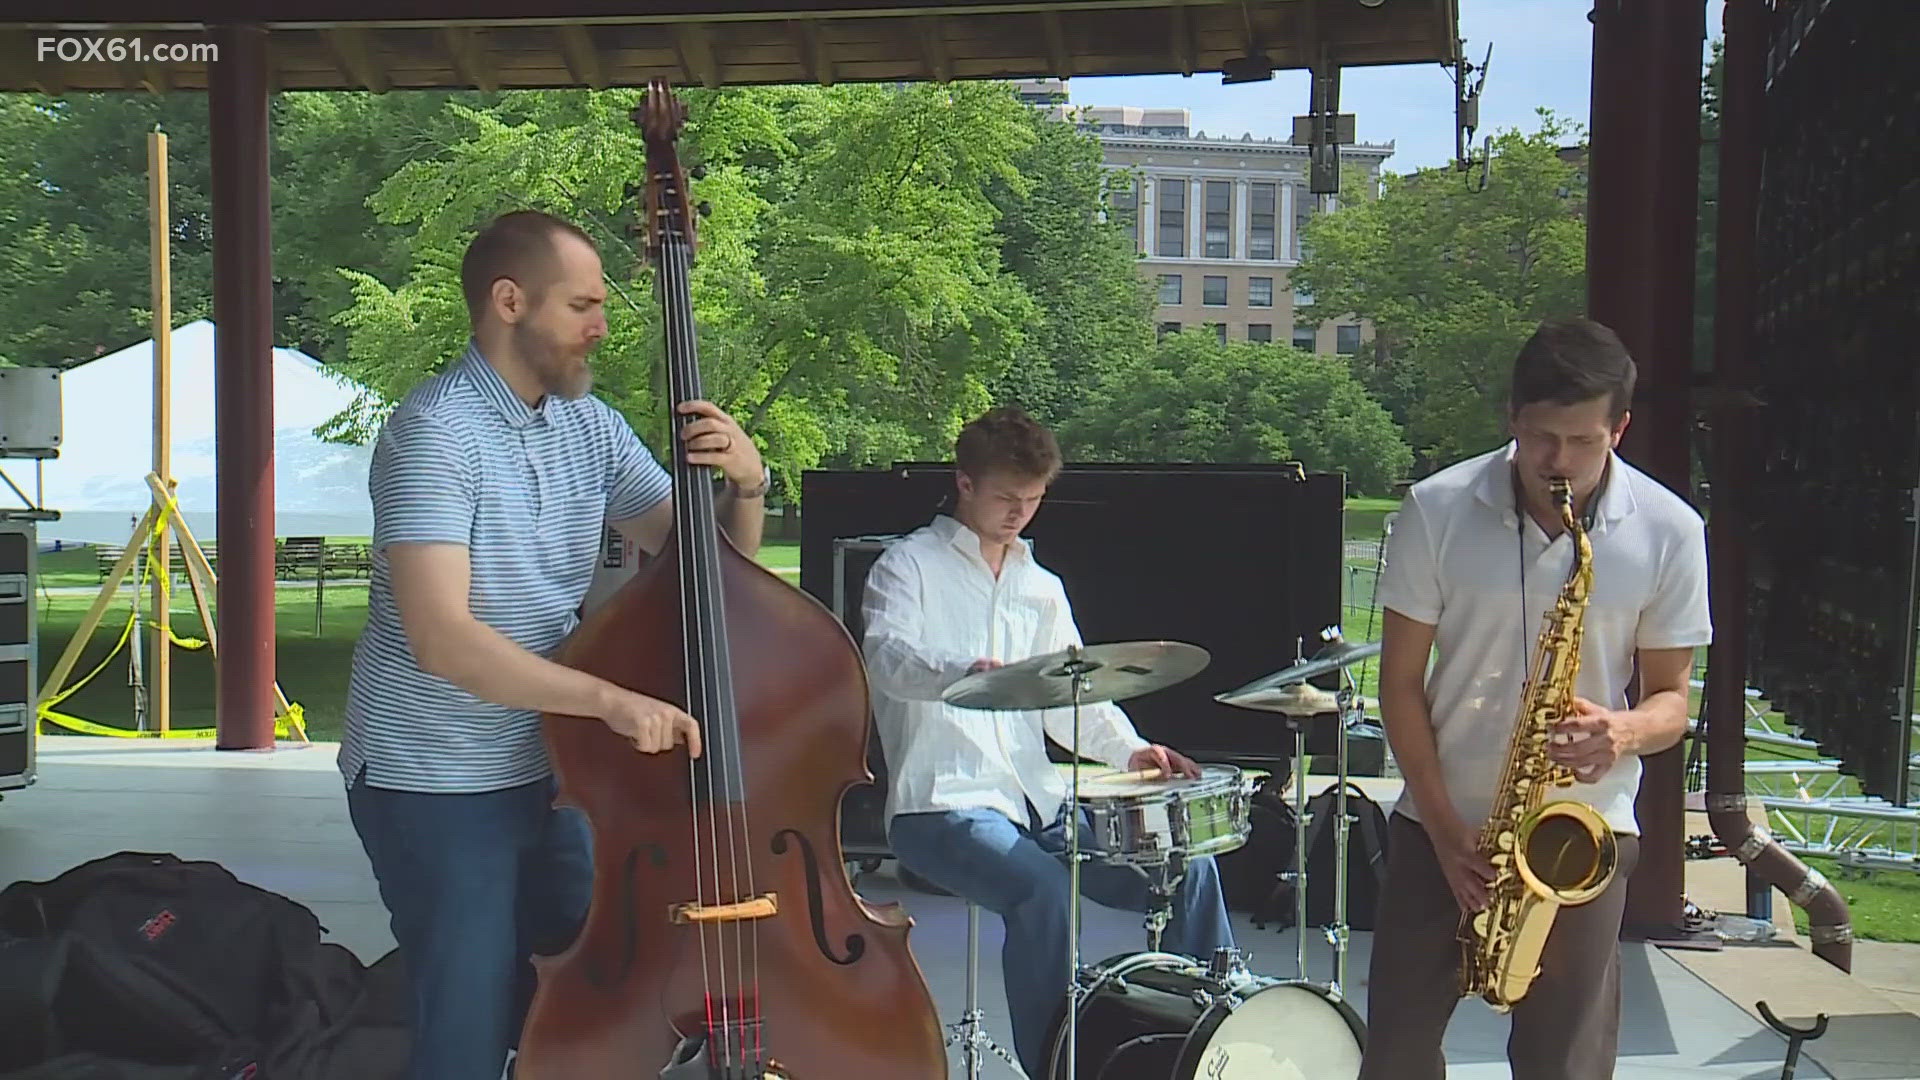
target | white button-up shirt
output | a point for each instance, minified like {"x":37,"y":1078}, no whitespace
{"x":932,"y":607}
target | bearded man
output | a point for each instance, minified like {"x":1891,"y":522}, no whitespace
{"x":492,"y":484}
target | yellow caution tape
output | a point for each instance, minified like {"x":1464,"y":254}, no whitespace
{"x":292,"y":721}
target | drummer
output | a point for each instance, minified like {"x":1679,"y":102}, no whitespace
{"x":975,"y":806}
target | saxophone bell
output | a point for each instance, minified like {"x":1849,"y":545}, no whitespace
{"x":1568,"y":853}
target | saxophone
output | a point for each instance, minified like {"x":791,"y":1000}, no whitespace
{"x":1544,"y":854}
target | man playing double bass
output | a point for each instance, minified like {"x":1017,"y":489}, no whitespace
{"x":492,"y":484}
{"x":974,"y":805}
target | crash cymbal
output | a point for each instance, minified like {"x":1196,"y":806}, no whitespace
{"x":1110,"y":672}
{"x":1293,"y":699}
{"x":1260,"y":693}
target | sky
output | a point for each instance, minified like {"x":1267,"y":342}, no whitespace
{"x":1542,"y":56}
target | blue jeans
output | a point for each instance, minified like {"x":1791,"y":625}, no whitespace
{"x":1020,"y":875}
{"x":474,"y":885}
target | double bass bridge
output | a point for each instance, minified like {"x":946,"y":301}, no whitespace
{"x":764,"y":906}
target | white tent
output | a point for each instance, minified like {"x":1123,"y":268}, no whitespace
{"x":98,"y":482}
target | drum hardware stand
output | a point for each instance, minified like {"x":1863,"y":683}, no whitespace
{"x":1337,"y":930}
{"x":1269,"y":693}
{"x":969,"y":1034}
{"x":1162,"y":885}
{"x":1129,"y":669}
{"x":1298,"y":875}
{"x":1077,"y":669}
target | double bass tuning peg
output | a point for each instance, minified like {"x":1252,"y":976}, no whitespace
{"x":698,"y":172}
{"x":705,"y":209}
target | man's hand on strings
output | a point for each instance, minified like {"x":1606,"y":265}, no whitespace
{"x":651,"y":725}
{"x":716,"y":439}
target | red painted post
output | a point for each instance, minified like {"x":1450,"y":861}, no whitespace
{"x":243,"y":386}
{"x":1643,"y":191}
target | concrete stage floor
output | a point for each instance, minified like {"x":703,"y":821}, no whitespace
{"x":279,"y":821}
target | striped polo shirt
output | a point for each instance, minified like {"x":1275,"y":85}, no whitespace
{"x":529,"y":492}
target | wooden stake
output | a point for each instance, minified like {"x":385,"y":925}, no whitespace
{"x":160,"y":686}
{"x":57,"y":677}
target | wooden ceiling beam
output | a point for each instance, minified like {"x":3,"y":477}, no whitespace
{"x":583,"y":57}
{"x":695,"y":44}
{"x":351,"y":50}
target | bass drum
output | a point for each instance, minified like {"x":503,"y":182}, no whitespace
{"x":1157,"y":1016}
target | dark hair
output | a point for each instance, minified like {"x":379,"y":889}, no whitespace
{"x":1007,"y":440}
{"x":1568,"y":361}
{"x":517,"y":245}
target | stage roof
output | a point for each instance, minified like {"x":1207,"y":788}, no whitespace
{"x":507,"y":44}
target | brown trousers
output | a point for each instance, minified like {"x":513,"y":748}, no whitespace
{"x":1566,"y":1028}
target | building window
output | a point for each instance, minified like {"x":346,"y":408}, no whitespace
{"x":1260,"y":292}
{"x":1260,"y":243}
{"x":1126,"y":208}
{"x":1305,"y":338}
{"x":1214,"y":290}
{"x":1169,"y":288}
{"x":1219,"y":217}
{"x":1346,"y":340}
{"x":1260,"y":331}
{"x":1219,"y":331}
{"x":1302,"y":296}
{"x":1172,"y":240}
{"x":1302,"y":210}
{"x":1169,"y":328}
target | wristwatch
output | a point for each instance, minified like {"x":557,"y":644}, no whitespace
{"x":766,"y":482}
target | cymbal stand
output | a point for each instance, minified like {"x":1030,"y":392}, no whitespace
{"x":1337,"y":930}
{"x":1300,"y":816}
{"x":1077,"y":669}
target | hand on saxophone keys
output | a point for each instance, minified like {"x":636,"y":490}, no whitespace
{"x":1591,"y":740}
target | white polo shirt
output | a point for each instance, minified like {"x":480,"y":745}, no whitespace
{"x":1454,"y":561}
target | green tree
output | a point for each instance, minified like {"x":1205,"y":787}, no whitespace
{"x":75,"y":227}
{"x":848,"y":288}
{"x":1194,"y":398}
{"x":1078,"y":265}
{"x":1454,"y":280}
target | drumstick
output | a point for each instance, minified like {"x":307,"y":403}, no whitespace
{"x":1139,"y":774}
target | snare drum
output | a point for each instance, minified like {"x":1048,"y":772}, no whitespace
{"x":1154,"y":1015}
{"x":1148,"y":822}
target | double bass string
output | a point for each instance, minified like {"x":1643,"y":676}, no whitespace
{"x":687,"y":491}
{"x":700,"y":557}
{"x":721,"y":690}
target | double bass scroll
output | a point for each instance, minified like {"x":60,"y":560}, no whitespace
{"x":724,"y":940}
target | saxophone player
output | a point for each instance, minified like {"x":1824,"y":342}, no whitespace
{"x":1476,"y":559}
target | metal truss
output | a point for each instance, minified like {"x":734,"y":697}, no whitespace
{"x":1810,"y":808}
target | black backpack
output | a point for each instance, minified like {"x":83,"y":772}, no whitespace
{"x":145,"y":965}
{"x":1253,"y":876}
{"x":1366,"y":858}
{"x":1250,"y":875}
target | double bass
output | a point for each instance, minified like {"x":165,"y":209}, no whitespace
{"x":724,"y":940}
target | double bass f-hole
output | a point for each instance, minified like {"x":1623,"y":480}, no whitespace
{"x":724,"y":940}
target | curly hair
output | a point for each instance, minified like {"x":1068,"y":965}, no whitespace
{"x":1006,"y":440}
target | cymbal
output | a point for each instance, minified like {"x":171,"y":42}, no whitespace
{"x":1110,"y":672}
{"x":1293,"y":699}
{"x":1261,"y":693}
